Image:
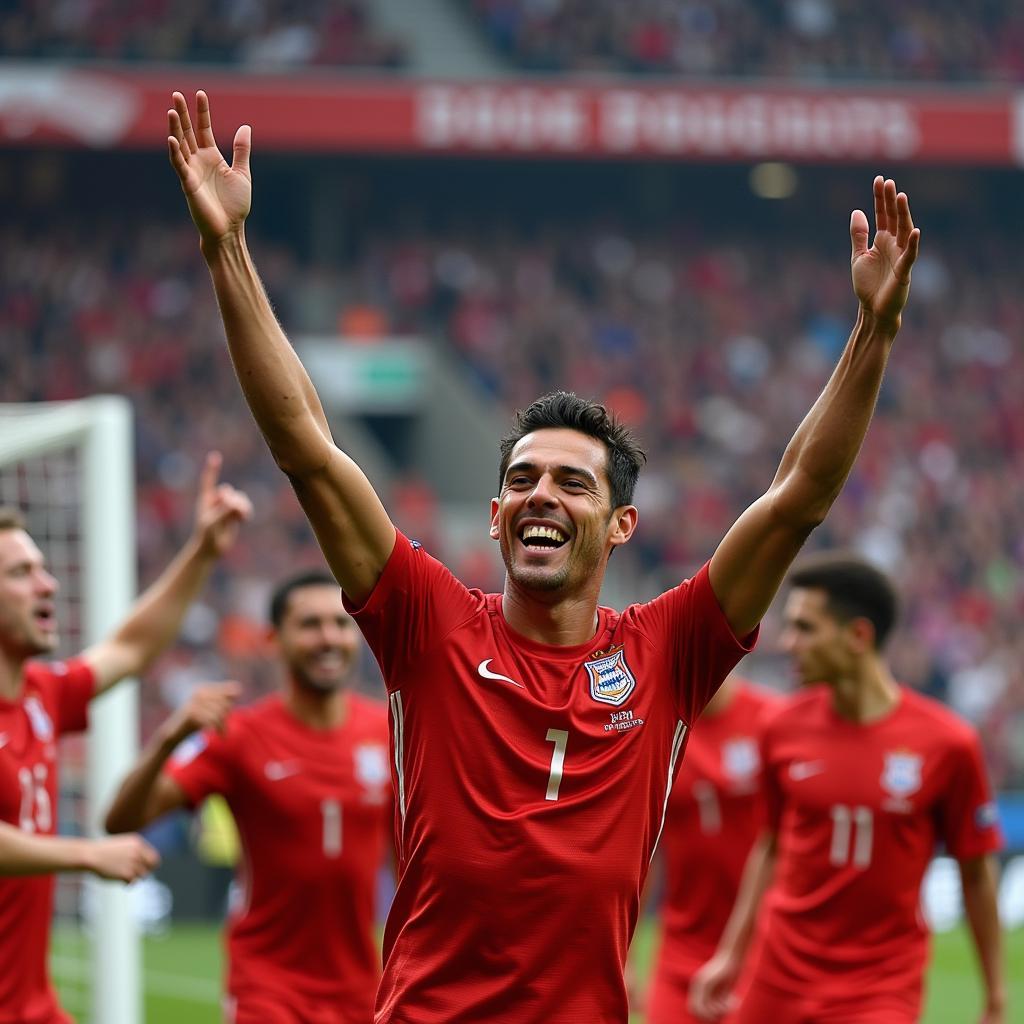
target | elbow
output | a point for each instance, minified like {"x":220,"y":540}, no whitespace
{"x":116,"y":822}
{"x":799,"y":506}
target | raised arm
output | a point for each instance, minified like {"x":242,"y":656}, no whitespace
{"x":146,"y":793}
{"x":349,"y":520}
{"x":155,"y":618}
{"x":124,"y":858}
{"x":753,"y":558}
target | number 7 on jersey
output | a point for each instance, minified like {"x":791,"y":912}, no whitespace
{"x":560,"y":737}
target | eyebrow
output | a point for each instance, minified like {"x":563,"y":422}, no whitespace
{"x":519,"y":467}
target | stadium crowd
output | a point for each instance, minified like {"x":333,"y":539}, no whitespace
{"x":711,"y":350}
{"x":257,"y":34}
{"x":918,"y":40}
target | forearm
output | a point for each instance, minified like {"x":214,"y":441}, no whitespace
{"x":133,"y":806}
{"x":25,"y":854}
{"x":820,"y":455}
{"x":981,"y":907}
{"x":277,"y":388}
{"x":757,"y":876}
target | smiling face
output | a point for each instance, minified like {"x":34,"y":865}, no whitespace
{"x":28,"y":620}
{"x":553,"y":519}
{"x":318,"y":640}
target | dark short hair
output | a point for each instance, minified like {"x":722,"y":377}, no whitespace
{"x":283,"y":591}
{"x":11,"y":518}
{"x":565,"y":409}
{"x":854,"y":589}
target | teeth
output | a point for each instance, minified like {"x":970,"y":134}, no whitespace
{"x":545,"y":532}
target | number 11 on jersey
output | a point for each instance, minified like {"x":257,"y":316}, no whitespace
{"x":560,"y":737}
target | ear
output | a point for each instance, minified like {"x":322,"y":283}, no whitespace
{"x":862,"y":635}
{"x":624,"y":520}
{"x":495,"y":505}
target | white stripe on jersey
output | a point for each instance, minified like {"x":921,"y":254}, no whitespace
{"x":677,"y":745}
{"x":398,"y":725}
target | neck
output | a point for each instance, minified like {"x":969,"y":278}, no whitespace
{"x":11,"y":675}
{"x":317,"y":710}
{"x":866,"y":694}
{"x":564,"y":621}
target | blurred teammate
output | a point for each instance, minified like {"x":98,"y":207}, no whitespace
{"x":306,"y":776}
{"x":715,"y":813}
{"x":41,"y":702}
{"x":862,"y":778}
{"x":535,"y":734}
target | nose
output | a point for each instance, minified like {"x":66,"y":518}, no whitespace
{"x":46,"y":583}
{"x":543,"y":492}
{"x":787,"y":641}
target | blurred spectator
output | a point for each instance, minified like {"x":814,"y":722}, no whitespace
{"x":918,"y":40}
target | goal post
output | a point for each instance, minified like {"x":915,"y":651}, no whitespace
{"x":77,"y":457}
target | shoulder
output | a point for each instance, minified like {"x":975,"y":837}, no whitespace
{"x":793,"y":710}
{"x":759,"y":698}
{"x":945,"y":727}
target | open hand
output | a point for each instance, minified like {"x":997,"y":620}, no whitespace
{"x":220,"y":509}
{"x":206,"y":708}
{"x":881,"y":274}
{"x":218,"y":196}
{"x":711,"y":988}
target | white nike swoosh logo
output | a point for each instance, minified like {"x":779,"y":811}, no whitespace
{"x":486,"y":673}
{"x":277,"y":770}
{"x":800,"y":770}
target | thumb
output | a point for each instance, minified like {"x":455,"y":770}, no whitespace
{"x":241,"y":150}
{"x":858,"y":233}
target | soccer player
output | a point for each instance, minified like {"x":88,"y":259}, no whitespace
{"x":535,"y":735}
{"x":305,"y":773}
{"x":715,"y":814}
{"x":40,"y":702}
{"x":862,"y":778}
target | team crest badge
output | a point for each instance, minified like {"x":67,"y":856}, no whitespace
{"x":740,"y":758}
{"x":372,"y":765}
{"x":901,"y":775}
{"x":611,"y":681}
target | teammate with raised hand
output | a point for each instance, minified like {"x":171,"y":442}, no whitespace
{"x":535,"y":734}
{"x":40,"y":702}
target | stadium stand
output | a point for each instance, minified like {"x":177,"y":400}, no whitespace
{"x":790,"y":39}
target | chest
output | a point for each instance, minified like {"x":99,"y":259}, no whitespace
{"x":28,"y":766}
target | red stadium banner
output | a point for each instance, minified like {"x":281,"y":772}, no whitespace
{"x":45,"y":104}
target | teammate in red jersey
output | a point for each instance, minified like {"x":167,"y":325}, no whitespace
{"x":306,"y":776}
{"x":863,"y":777}
{"x":41,"y":702}
{"x":715,"y":814}
{"x":535,"y":734}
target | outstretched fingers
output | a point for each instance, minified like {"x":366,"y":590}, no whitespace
{"x":878,"y":188}
{"x":908,"y":257}
{"x":241,"y":150}
{"x":188,"y":135}
{"x":858,"y":233}
{"x":177,"y":158}
{"x":904,"y":222}
{"x":203,"y":121}
{"x":209,"y":475}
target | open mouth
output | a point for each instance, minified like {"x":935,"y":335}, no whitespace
{"x":542,"y":538}
{"x":45,"y":618}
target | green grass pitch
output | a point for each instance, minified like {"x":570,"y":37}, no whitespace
{"x":182,"y":976}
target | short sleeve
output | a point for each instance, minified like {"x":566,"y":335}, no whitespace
{"x":416,"y":603}
{"x":703,"y":650}
{"x":203,"y":765}
{"x":75,"y":686}
{"x":968,"y":818}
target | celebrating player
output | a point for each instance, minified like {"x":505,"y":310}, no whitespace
{"x":715,"y":814}
{"x":40,"y":702}
{"x":862,"y":777}
{"x":306,"y":776}
{"x":535,"y":734}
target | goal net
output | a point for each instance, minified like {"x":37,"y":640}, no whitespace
{"x":68,"y":467}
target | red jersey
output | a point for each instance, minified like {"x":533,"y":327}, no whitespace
{"x":531,"y":781}
{"x":315,"y":816}
{"x":715,"y":814}
{"x":54,"y":701}
{"x":858,"y":810}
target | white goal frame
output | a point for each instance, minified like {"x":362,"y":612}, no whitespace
{"x":100,"y":429}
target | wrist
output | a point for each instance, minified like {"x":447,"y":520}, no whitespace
{"x":82,"y":855}
{"x":225,"y":247}
{"x":171,"y":734}
{"x":876,"y":326}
